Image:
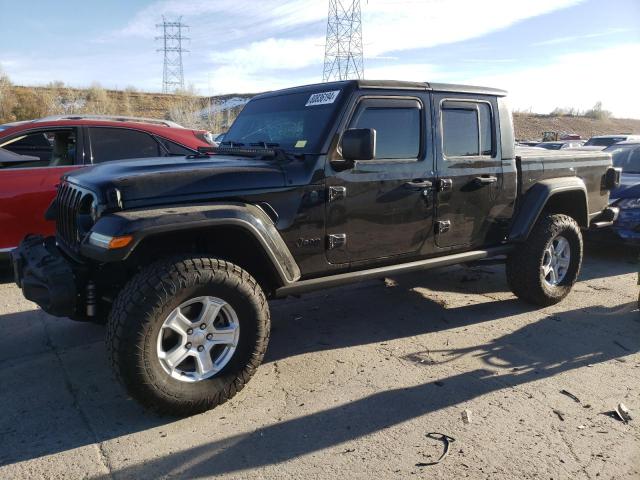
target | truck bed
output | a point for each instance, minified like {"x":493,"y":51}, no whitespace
{"x":536,"y":164}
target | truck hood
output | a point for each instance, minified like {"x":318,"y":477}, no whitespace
{"x":165,"y":177}
{"x":629,"y":187}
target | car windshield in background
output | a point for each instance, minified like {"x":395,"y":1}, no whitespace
{"x":626,"y":157}
{"x":603,"y":142}
{"x":295,"y":122}
{"x":551,"y":146}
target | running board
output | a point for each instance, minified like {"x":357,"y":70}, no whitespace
{"x":305,"y":286}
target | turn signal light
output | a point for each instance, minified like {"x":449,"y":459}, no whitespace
{"x":119,"y":242}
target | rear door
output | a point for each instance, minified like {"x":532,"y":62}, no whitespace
{"x":27,"y":189}
{"x":112,"y":143}
{"x":469,"y":170}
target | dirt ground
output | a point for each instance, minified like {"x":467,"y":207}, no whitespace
{"x":354,"y":380}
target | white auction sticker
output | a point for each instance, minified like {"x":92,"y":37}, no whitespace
{"x":322,"y":98}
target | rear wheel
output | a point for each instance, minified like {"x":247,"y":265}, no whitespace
{"x":544,"y":269}
{"x":187,"y":334}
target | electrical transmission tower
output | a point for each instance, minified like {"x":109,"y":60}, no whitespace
{"x":343,"y":47}
{"x":173,"y":73}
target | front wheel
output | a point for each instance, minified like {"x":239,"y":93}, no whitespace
{"x":543,"y":270}
{"x":187,"y":334}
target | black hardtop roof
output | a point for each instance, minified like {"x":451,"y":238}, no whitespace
{"x":388,"y":85}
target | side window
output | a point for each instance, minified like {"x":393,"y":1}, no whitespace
{"x":120,"y":143}
{"x":633,"y":165}
{"x":486,"y":129}
{"x":467,"y":129}
{"x":397,"y":130}
{"x":44,"y":148}
{"x":174,"y":148}
{"x":460,"y":130}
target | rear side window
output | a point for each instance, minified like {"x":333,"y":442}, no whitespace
{"x":397,"y":131}
{"x":467,"y":129}
{"x":460,"y":132}
{"x":486,"y":129}
{"x":175,"y":148}
{"x":109,"y":144}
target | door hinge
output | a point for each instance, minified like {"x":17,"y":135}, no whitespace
{"x":443,"y":226}
{"x":337,"y":240}
{"x":337,"y":193}
{"x":445,"y":184}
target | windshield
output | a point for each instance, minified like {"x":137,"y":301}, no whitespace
{"x":551,"y":146}
{"x":603,"y":141}
{"x":295,"y":122}
{"x":627,"y":157}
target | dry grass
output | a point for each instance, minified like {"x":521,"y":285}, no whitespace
{"x":193,"y":111}
{"x":530,"y":126}
{"x":185,"y":108}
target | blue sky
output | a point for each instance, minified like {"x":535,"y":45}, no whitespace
{"x":547,"y":53}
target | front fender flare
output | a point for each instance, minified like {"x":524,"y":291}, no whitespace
{"x":143,"y":223}
{"x":535,"y":200}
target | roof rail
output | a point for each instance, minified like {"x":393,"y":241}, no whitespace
{"x":111,"y":118}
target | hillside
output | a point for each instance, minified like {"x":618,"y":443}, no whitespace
{"x":530,"y":126}
{"x":216,"y":113}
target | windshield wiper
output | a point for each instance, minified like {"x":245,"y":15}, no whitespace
{"x":264,"y":144}
{"x":251,"y":151}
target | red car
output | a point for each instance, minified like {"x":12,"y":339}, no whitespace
{"x":43,"y":150}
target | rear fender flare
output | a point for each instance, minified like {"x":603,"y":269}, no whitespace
{"x":537,"y":198}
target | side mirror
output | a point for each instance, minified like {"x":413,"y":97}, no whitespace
{"x":359,"y":144}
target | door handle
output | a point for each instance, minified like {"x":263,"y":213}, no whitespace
{"x":419,"y":184}
{"x":485,"y":180}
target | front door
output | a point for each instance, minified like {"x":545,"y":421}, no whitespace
{"x":27,"y":188}
{"x":469,"y":170}
{"x":382,"y":207}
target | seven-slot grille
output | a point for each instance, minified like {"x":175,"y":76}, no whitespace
{"x":68,"y":203}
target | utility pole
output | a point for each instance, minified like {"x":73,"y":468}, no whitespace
{"x":173,"y":73}
{"x":343,"y":58}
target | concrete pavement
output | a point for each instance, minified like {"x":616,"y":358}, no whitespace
{"x":353,"y":381}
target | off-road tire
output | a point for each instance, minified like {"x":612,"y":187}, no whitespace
{"x":524,"y":264}
{"x":140,"y":309}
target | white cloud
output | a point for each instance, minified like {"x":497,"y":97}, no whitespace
{"x":393,"y":26}
{"x":578,"y":80}
{"x":388,"y":25}
{"x":239,"y":79}
{"x":251,"y":46}
{"x":412,"y":72}
{"x":223,"y":16}
{"x":573,"y":38}
{"x":274,"y":53}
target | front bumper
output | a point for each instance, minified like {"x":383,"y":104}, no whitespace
{"x":46,"y":276}
{"x":625,"y":229}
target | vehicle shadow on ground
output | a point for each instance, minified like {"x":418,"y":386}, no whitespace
{"x":550,"y":346}
{"x":93,"y":408}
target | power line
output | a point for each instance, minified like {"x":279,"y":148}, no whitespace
{"x":173,"y":72}
{"x":343,"y":57}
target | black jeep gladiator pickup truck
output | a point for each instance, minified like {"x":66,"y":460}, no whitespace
{"x":313,"y":187}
